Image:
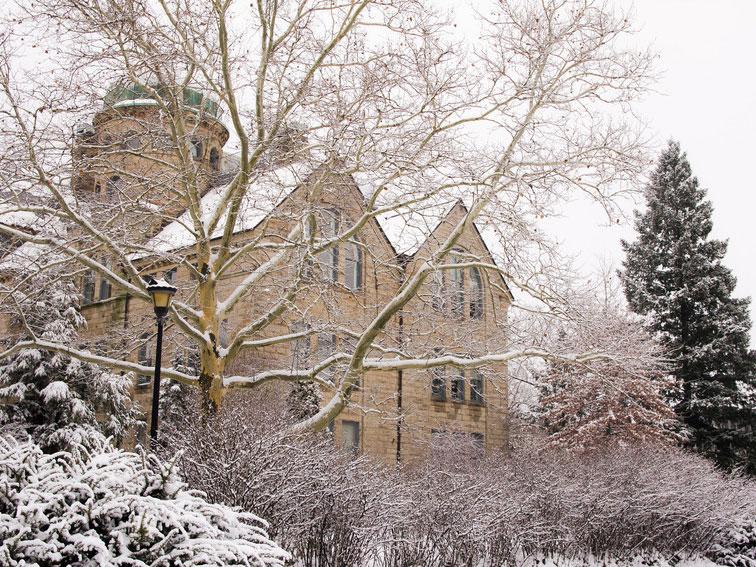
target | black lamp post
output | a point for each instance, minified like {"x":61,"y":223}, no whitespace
{"x":161,"y":292}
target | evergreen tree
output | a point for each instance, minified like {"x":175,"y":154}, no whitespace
{"x":57,"y":400}
{"x":673,"y":274}
{"x":179,"y":404}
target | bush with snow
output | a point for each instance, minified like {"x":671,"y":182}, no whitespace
{"x":102,"y":506}
{"x":458,"y":507}
{"x":58,"y":400}
{"x":737,"y":546}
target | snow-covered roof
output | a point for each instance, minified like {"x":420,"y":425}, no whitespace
{"x":264,"y":194}
{"x":135,"y":102}
{"x":406,"y":228}
{"x":29,"y":256}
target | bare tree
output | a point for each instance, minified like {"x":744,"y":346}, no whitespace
{"x":605,"y":403}
{"x":321,"y":99}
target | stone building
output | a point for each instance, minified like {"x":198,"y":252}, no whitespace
{"x":124,"y":157}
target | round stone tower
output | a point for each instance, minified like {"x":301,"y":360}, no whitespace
{"x":128,"y":160}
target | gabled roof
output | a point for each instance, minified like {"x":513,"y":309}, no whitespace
{"x":405,"y":230}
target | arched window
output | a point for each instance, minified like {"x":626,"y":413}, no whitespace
{"x":144,"y":357}
{"x":88,"y":287}
{"x":457,"y":288}
{"x":214,"y":159}
{"x":195,"y":148}
{"x":353,"y":266}
{"x":105,"y":289}
{"x":476,"y":294}
{"x":300,"y":347}
{"x":437,"y":291}
{"x":113,"y":187}
{"x":329,"y":259}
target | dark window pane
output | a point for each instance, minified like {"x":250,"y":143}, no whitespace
{"x":88,"y":287}
{"x":350,"y":436}
{"x":353,"y":266}
{"x":438,"y":385}
{"x":214,"y":159}
{"x":104,"y":289}
{"x":477,"y":384}
{"x":458,"y":386}
{"x":476,"y":294}
{"x":144,"y":357}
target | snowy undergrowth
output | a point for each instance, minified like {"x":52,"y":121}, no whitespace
{"x":106,"y":507}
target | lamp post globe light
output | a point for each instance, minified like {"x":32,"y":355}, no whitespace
{"x":162,"y":293}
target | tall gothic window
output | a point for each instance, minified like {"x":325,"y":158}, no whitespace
{"x":353,"y":265}
{"x":457,"y":288}
{"x":88,"y":287}
{"x":329,"y":259}
{"x":195,"y":149}
{"x":350,"y":436}
{"x":458,"y":385}
{"x":476,"y":294}
{"x":477,"y":385}
{"x":113,"y":187}
{"x":300,"y":348}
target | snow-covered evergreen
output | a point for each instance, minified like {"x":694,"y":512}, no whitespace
{"x":101,"y":506}
{"x":674,"y":275}
{"x":58,"y":400}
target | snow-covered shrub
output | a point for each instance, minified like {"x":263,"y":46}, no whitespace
{"x":58,"y":400}
{"x":459,"y":507}
{"x":102,"y":506}
{"x":737,"y":546}
{"x":322,"y":505}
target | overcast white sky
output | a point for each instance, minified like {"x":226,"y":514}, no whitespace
{"x":707,"y":101}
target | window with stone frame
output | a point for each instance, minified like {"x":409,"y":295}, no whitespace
{"x":330,"y":221}
{"x":350,"y":436}
{"x":196,"y":149}
{"x":477,"y":387}
{"x":88,"y":287}
{"x":452,"y":294}
{"x":326,"y":347}
{"x":170,"y":276}
{"x":438,"y":384}
{"x":458,"y":385}
{"x":476,"y":294}
{"x":215,"y":159}
{"x":456,"y":289}
{"x":113,"y":187}
{"x":300,"y":347}
{"x":105,"y":289}
{"x":353,"y":265}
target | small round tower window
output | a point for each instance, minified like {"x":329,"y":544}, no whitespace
{"x":195,"y":148}
{"x":214,"y":159}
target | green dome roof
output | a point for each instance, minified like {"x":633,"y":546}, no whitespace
{"x":135,"y":93}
